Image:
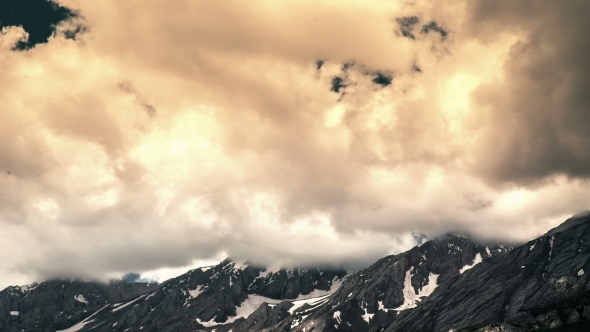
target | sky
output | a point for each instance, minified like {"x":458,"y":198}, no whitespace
{"x":151,"y":136}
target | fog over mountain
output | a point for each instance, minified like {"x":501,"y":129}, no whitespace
{"x":152,"y":136}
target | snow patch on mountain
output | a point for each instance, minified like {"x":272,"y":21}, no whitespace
{"x":410,"y":297}
{"x":195,"y":292}
{"x":382,"y":306}
{"x":476,"y":261}
{"x":150,"y":295}
{"x":83,"y":323}
{"x":367,"y":316}
{"x":301,"y":315}
{"x":298,"y":321}
{"x":320,"y":293}
{"x":80,"y":298}
{"x":312,"y":301}
{"x":209,"y":323}
{"x":243,"y":310}
{"x":120,"y":306}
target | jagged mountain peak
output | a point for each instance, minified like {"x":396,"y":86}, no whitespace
{"x":542,"y":283}
{"x":380,"y":292}
{"x":56,"y":304}
{"x":214,"y":297}
{"x":443,"y":256}
{"x":539,"y":284}
{"x":450,"y":282}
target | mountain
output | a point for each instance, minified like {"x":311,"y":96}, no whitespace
{"x":370,"y":298}
{"x":450,"y":284}
{"x":212,"y":298}
{"x":58,"y":304}
{"x":541,"y":284}
{"x":537,"y":286}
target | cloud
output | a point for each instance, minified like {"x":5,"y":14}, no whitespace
{"x":433,"y":27}
{"x":192,"y":130}
{"x":39,"y":19}
{"x":540,"y":105}
{"x":406,"y":25}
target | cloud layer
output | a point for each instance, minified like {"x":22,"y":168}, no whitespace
{"x":293,"y":133}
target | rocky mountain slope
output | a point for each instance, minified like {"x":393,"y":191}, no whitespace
{"x":450,"y":283}
{"x":58,"y":304}
{"x":371,"y":298}
{"x":540,"y":285}
{"x":212,"y":298}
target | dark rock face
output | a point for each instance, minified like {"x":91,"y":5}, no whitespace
{"x":216,"y":297}
{"x":540,"y":285}
{"x":58,"y":304}
{"x":371,"y":298}
{"x":543,"y":283}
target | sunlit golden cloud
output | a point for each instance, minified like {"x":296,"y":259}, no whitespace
{"x":179,"y":131}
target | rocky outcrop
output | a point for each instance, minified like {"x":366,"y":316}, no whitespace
{"x":541,"y":284}
{"x":58,"y":304}
{"x":371,"y":298}
{"x":216,"y":298}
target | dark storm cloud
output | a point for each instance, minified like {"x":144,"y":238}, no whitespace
{"x":348,"y":65}
{"x":406,"y":25}
{"x":434,"y":27}
{"x":38,"y":18}
{"x":338,"y":83}
{"x":75,"y":32}
{"x":382,"y":79}
{"x":538,"y":116}
{"x":319,"y":64}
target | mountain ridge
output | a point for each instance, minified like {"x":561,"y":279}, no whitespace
{"x":57,"y":304}
{"x":448,"y":283}
{"x":372,"y":296}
